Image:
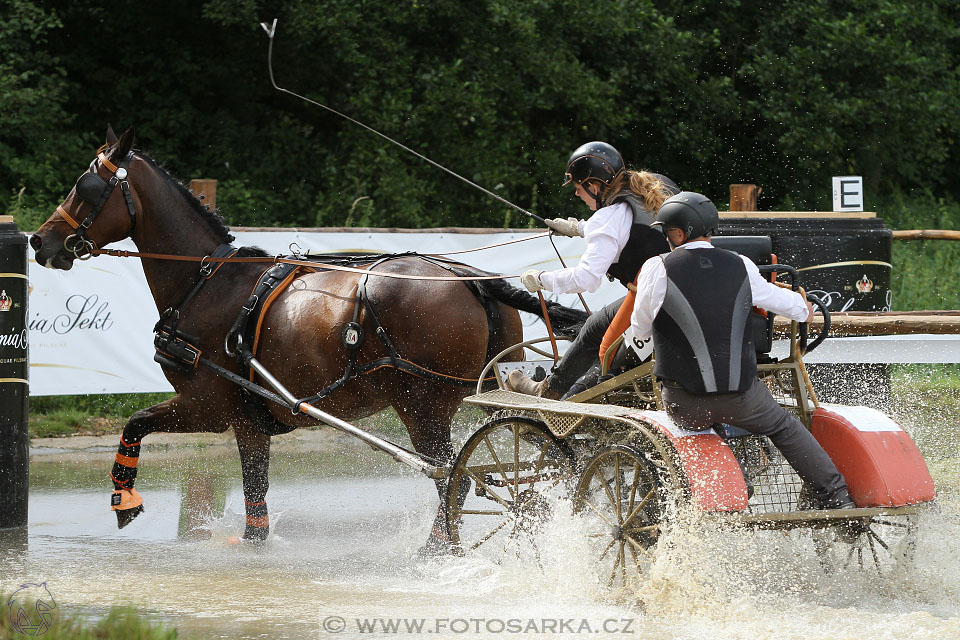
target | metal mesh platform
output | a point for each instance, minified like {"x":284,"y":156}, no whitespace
{"x":776,"y":486}
{"x":563,"y":418}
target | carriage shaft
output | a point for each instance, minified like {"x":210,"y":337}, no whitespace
{"x":397,"y":452}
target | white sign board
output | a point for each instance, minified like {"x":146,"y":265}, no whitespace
{"x":91,"y":328}
{"x":848,"y":193}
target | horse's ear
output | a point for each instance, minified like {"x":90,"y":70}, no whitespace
{"x":111,"y":136}
{"x":123,"y":146}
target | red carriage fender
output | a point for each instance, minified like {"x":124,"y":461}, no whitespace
{"x":878,"y":459}
{"x":711,"y":470}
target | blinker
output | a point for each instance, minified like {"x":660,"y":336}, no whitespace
{"x":89,"y":187}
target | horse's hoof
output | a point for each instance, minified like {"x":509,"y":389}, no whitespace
{"x":126,"y":516}
{"x":128,"y":504}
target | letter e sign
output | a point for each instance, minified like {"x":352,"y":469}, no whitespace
{"x":847,"y":193}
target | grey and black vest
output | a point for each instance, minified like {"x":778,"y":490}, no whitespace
{"x":702,"y":334}
{"x":645,"y":241}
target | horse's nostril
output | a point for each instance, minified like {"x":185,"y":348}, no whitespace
{"x":36,"y":242}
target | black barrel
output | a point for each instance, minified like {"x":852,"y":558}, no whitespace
{"x":845,"y":261}
{"x":14,"y":389}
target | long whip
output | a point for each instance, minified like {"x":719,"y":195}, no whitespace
{"x":271,"y":30}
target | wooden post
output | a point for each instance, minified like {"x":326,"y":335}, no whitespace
{"x":207,"y":187}
{"x":743,"y":197}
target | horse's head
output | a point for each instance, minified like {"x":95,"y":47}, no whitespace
{"x":94,"y":213}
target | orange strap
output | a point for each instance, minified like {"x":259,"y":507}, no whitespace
{"x":619,"y":324}
{"x":261,"y":522}
{"x":106,"y":162}
{"x":127,"y":461}
{"x":66,"y":216}
{"x":281,"y":286}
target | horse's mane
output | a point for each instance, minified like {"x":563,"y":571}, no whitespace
{"x":212,"y":217}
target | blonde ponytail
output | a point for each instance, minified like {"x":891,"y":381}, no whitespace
{"x":644,"y":184}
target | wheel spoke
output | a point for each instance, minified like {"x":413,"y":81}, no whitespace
{"x":516,"y":460}
{"x":480,"y":512}
{"x":597,"y":511}
{"x":613,"y":541}
{"x":503,"y":474}
{"x":639,"y":547}
{"x":623,"y":563}
{"x":873,"y":551}
{"x":616,"y":565}
{"x":487,"y":490}
{"x":636,"y":560}
{"x":616,"y":478}
{"x":873,"y":536}
{"x":491,"y":534}
{"x":606,"y":488}
{"x":640,"y":506}
{"x":543,"y":455}
{"x":633,"y":489}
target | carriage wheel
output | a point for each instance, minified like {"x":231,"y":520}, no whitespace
{"x":503,"y":485}
{"x":878,"y":543}
{"x":622,"y":493}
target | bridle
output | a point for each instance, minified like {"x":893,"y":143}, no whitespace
{"x":94,"y":190}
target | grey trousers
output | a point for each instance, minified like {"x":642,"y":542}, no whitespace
{"x":756,"y":411}
{"x":584,"y":351}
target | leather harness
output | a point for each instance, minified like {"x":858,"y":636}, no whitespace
{"x":176,"y":349}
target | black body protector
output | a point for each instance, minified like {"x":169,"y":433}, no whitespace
{"x":702,"y":332}
{"x":645,"y":241}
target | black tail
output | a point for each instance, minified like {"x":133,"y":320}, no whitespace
{"x":565,"y":320}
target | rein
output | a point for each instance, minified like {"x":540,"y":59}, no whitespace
{"x":118,"y":253}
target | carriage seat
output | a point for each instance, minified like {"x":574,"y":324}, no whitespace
{"x":760,"y":250}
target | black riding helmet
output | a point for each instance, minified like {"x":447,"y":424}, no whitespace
{"x":597,"y":160}
{"x":594,"y":161}
{"x":691,"y":212}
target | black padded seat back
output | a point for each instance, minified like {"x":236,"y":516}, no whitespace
{"x":760,"y":250}
{"x":757,"y":248}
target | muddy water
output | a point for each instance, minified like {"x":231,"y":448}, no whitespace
{"x":342,"y":560}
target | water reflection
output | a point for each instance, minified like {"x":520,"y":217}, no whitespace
{"x":346,"y":528}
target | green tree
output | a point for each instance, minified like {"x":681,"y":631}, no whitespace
{"x":38,"y":147}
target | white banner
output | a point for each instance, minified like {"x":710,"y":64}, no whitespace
{"x":91,"y":328}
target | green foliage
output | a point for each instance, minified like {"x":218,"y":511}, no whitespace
{"x":53,"y":416}
{"x":500,"y":92}
{"x":119,"y":623}
{"x":926,"y":273}
{"x":119,"y":404}
{"x":38,"y":147}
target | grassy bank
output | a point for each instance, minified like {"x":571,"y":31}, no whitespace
{"x":120,"y":623}
{"x":53,"y":416}
{"x":926,"y":273}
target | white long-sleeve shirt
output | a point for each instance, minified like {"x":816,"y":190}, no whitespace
{"x":652,"y":288}
{"x":606,"y":233}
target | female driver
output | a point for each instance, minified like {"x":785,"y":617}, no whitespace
{"x":619,"y":240}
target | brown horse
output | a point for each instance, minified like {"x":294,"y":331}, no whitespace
{"x":442,"y":326}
